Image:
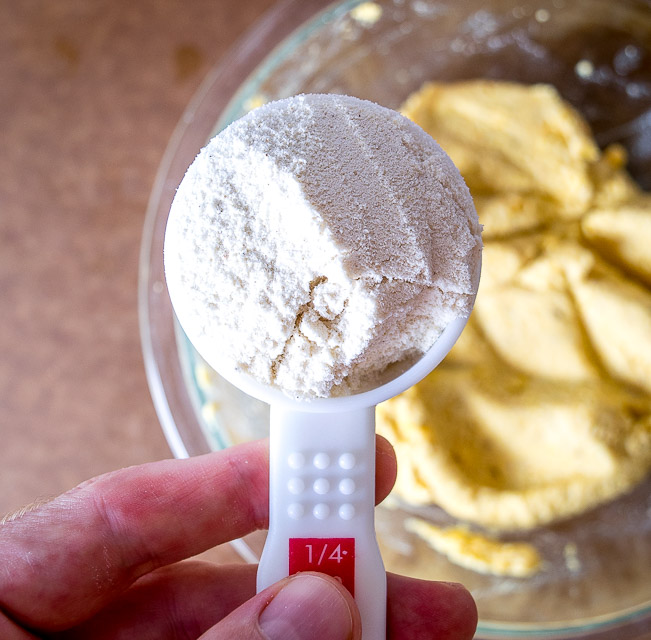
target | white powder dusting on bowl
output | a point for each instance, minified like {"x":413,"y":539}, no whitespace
{"x":317,"y":241}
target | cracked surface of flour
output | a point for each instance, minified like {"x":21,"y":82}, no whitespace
{"x":317,"y":241}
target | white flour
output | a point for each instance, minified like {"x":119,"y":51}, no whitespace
{"x":316,"y":241}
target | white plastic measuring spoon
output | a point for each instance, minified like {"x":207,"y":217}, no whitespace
{"x":301,"y":192}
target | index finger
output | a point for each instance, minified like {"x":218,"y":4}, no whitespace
{"x":64,"y":561}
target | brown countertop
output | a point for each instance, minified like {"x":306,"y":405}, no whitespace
{"x":90,"y":95}
{"x":91,"y":92}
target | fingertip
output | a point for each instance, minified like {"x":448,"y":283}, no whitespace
{"x":465,"y":615}
{"x":311,"y":605}
{"x":304,"y":606}
{"x":384,"y":447}
{"x":386,"y":467}
{"x":422,"y":608}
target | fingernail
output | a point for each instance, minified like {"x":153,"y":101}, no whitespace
{"x":307,"y":607}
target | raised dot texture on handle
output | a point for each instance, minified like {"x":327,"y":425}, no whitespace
{"x":347,"y":486}
{"x":321,"y":461}
{"x":321,"y":486}
{"x":296,"y":486}
{"x":321,"y":511}
{"x":346,"y":511}
{"x":347,"y":461}
{"x":296,"y":460}
{"x":295,"y":511}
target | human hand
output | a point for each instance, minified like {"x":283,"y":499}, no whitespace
{"x":106,"y":560}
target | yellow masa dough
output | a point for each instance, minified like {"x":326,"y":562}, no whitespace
{"x":477,"y":551}
{"x":543,"y":408}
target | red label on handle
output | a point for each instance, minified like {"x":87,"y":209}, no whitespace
{"x":332,"y":556}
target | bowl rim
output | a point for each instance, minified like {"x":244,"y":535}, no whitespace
{"x":224,"y":90}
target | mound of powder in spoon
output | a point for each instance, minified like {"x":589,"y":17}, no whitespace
{"x":319,"y":242}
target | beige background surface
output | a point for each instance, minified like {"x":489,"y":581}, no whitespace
{"x":90,"y":92}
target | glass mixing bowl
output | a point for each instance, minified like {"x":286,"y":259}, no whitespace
{"x":382,"y":51}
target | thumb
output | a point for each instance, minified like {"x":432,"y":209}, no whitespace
{"x":302,"y":607}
